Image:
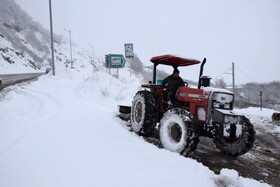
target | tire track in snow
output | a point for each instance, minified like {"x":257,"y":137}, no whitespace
{"x":37,"y":106}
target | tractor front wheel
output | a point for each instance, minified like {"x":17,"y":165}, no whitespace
{"x":177,"y":132}
{"x":240,"y":145}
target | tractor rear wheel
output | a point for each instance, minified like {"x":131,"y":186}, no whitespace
{"x":143,"y":112}
{"x":240,"y":145}
{"x":178,"y":132}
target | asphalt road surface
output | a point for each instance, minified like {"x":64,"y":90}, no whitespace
{"x":10,"y":79}
{"x":261,"y":163}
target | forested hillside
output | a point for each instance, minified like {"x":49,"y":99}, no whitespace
{"x":255,"y":94}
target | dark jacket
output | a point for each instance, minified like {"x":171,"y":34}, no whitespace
{"x":173,"y":83}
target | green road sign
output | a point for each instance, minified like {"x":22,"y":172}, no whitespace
{"x":116,"y":61}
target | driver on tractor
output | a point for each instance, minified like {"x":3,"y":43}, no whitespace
{"x":171,"y":84}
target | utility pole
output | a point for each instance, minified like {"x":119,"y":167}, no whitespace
{"x":52,"y":48}
{"x":233,"y":80}
{"x":69,"y":31}
{"x":261,"y":104}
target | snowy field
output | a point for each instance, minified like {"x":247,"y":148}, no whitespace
{"x":63,"y":131}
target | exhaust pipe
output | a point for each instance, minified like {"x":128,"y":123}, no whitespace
{"x":201,"y":72}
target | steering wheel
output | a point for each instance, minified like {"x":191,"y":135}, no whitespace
{"x":186,"y":84}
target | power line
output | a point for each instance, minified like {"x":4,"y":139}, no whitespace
{"x":230,"y":68}
{"x":225,"y":72}
{"x":262,"y":86}
{"x":245,"y":74}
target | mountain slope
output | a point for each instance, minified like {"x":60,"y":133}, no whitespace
{"x":22,"y":41}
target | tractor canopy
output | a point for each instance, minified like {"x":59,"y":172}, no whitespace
{"x":173,"y":60}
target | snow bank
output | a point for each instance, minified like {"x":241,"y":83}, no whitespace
{"x":267,"y":113}
{"x":231,"y":178}
{"x":121,"y":90}
{"x":261,"y":118}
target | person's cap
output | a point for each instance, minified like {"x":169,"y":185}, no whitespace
{"x":176,"y":71}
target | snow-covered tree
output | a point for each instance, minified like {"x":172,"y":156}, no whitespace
{"x":220,"y":83}
{"x":136,"y":64}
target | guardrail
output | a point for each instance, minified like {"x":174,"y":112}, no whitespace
{"x":11,"y":79}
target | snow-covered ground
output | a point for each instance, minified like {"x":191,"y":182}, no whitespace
{"x":63,"y":131}
{"x":261,"y":118}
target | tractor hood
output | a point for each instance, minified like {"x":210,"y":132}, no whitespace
{"x":173,"y":60}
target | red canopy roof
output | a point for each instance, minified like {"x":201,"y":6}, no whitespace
{"x":173,"y":60}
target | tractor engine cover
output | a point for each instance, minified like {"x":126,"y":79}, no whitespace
{"x":229,"y":123}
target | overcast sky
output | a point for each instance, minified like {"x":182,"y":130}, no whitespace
{"x":246,"y":32}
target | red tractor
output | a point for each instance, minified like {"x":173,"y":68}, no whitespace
{"x":202,"y":111}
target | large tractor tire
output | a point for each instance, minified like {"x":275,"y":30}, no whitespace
{"x":240,"y":145}
{"x":143,"y":113}
{"x":177,"y":132}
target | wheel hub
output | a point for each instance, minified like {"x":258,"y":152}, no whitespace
{"x":138,"y":112}
{"x":176,"y":132}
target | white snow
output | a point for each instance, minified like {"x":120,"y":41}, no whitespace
{"x":261,"y":118}
{"x":212,"y":89}
{"x":63,"y":131}
{"x":201,"y":113}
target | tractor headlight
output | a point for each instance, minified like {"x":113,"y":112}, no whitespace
{"x":216,"y":105}
{"x":226,"y":106}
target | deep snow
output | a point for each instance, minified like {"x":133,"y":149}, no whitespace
{"x":63,"y":131}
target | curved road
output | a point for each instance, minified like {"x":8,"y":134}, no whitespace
{"x":10,"y":79}
{"x":33,"y":106}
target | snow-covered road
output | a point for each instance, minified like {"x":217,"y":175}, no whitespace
{"x":63,"y":131}
{"x":19,"y":117}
